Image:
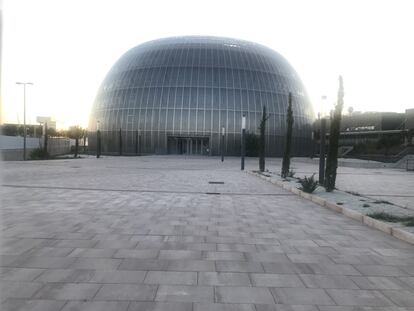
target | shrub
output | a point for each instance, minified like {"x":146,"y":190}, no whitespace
{"x":39,"y":154}
{"x":309,"y":184}
{"x":252,"y":145}
{"x":406,"y":220}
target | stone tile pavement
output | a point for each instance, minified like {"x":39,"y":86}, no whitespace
{"x":151,"y":233}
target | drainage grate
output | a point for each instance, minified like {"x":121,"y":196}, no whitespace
{"x":216,"y":182}
{"x":215,"y":193}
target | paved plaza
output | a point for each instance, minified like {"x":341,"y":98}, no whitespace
{"x":178,"y":233}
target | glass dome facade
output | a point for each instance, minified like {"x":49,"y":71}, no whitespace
{"x":174,"y":96}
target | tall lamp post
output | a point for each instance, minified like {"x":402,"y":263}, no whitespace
{"x":98,"y":140}
{"x":243,"y":142}
{"x":223,"y":132}
{"x":322,"y":147}
{"x":24,"y":116}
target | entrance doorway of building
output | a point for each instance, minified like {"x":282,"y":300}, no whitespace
{"x":188,"y":145}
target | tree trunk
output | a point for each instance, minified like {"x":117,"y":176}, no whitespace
{"x":332,"y":158}
{"x":288,"y":142}
{"x":76,"y":147}
{"x":262,"y":140}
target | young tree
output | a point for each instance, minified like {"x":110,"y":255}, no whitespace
{"x":288,"y":142}
{"x":332,"y":158}
{"x":76,"y":132}
{"x":252,"y":145}
{"x":262,"y":139}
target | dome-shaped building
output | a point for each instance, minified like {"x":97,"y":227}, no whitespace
{"x":174,"y":96}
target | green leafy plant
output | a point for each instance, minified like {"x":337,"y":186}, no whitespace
{"x":288,"y":141}
{"x":291,"y":173}
{"x":332,"y":158}
{"x":252,"y":145}
{"x":309,"y":184}
{"x":39,"y":154}
{"x":262,"y":139}
{"x":406,"y":220}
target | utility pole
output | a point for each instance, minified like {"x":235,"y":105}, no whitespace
{"x":136,"y":142}
{"x":24,"y":116}
{"x":322,"y":151}
{"x":120,"y":142}
{"x":223,"y":132}
{"x":243,"y":142}
{"x":98,"y":140}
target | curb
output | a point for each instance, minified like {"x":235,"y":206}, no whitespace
{"x":396,"y":232}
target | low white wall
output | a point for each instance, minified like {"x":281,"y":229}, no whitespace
{"x":16,"y":142}
{"x":11,"y":147}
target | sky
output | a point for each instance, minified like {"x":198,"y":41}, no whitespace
{"x":65,"y":48}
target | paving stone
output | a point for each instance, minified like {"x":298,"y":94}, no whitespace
{"x":403,"y":298}
{"x":45,"y":262}
{"x":160,"y":306}
{"x":170,"y":277}
{"x":92,"y":252}
{"x":115,"y":244}
{"x":408,"y":280}
{"x":223,"y":307}
{"x":281,"y":307}
{"x":185,"y":293}
{"x":74,"y":243}
{"x":118,"y":276}
{"x":328,"y":281}
{"x":65,"y":276}
{"x":143,"y":264}
{"x":224,"y":294}
{"x":310,"y":258}
{"x":137,"y":253}
{"x":31,"y":305}
{"x":236,"y":248}
{"x":126,"y":292}
{"x":302,"y":296}
{"x":379,"y":282}
{"x":68,"y":239}
{"x":224,"y":256}
{"x":276,"y":280}
{"x":179,"y":254}
{"x":267,"y":257}
{"x":223,"y":279}
{"x":95,"y":263}
{"x":360,"y":308}
{"x":346,"y":297}
{"x":191,"y":265}
{"x":19,"y":274}
{"x":49,"y":251}
{"x":377,"y":270}
{"x":96,"y":306}
{"x":10,"y":289}
{"x":68,"y":291}
{"x":238,"y":266}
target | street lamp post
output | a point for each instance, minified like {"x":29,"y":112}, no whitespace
{"x":243,"y":142}
{"x":98,"y":140}
{"x":322,"y":145}
{"x":322,"y":151}
{"x":24,"y":116}
{"x":223,"y":132}
{"x":136,"y":142}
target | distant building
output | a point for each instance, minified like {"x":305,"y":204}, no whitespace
{"x":409,"y":119}
{"x":372,"y":121}
{"x":358,"y":127}
{"x":177,"y":94}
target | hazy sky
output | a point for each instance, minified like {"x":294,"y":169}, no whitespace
{"x":66,"y":47}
